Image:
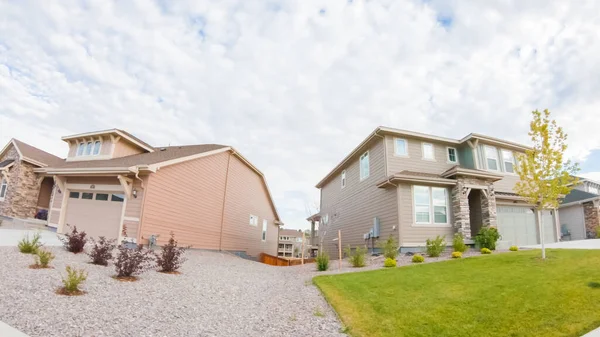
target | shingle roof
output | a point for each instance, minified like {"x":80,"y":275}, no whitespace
{"x":36,"y":154}
{"x":418,"y":174}
{"x":6,"y":162}
{"x":290,"y":232}
{"x":148,"y":158}
{"x":577,"y":195}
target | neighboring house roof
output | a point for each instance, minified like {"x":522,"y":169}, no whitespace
{"x":290,"y":232}
{"x":5,"y":163}
{"x":32,"y":154}
{"x":382,"y":130}
{"x":133,"y":139}
{"x":577,"y":196}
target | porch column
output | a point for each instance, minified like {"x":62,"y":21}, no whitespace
{"x":312,"y":232}
{"x":460,"y":208}
{"x":591,"y":216}
{"x":488,"y":207}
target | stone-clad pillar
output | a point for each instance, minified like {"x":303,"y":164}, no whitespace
{"x":460,"y":208}
{"x":591,"y":216}
{"x":488,"y":207}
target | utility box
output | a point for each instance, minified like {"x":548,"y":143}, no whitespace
{"x":376,"y":227}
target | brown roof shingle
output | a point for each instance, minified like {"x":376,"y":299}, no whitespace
{"x":36,"y":154}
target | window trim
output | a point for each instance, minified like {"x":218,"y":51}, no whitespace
{"x":512,"y":161}
{"x":94,"y":153}
{"x":485,"y":158}
{"x":423,"y":151}
{"x":448,"y":155}
{"x":343,"y":178}
{"x":406,"y":155}
{"x":80,"y":149}
{"x":431,"y":222}
{"x":360,"y":167}
{"x":263,"y":235}
{"x":3,"y":183}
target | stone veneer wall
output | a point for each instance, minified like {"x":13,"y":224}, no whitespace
{"x":591,"y":216}
{"x":489,"y":214}
{"x":22,"y":188}
{"x":460,"y":205}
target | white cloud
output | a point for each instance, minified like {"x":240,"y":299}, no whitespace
{"x":295,"y":85}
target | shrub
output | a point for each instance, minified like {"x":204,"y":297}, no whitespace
{"x":322,"y":261}
{"x":513,"y":248}
{"x":436,"y":246}
{"x":485,"y":251}
{"x":43,"y":258}
{"x":74,"y":241}
{"x":390,"y":248}
{"x":418,"y":258}
{"x":73,"y":279}
{"x":101,"y":251}
{"x":356,"y":256}
{"x":171,"y":257}
{"x":389,"y":262}
{"x":133,"y":261}
{"x":456,"y":255}
{"x":27,"y":246}
{"x":458,"y":243}
{"x":487,"y":238}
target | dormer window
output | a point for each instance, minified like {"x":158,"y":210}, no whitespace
{"x":80,"y":149}
{"x":97,"y":146}
{"x":89,"y":149}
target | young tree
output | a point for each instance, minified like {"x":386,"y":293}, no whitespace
{"x":544,"y":177}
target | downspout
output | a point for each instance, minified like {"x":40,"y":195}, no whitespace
{"x":224,"y":199}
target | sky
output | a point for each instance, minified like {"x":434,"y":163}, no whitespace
{"x":296,"y":85}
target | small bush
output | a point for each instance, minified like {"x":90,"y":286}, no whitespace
{"x":43,"y":258}
{"x":171,"y":257}
{"x":436,"y":246}
{"x":101,"y":251}
{"x":390,"y":248}
{"x":74,"y":241}
{"x":74,"y":278}
{"x":322,"y":261}
{"x":458,"y":243}
{"x":513,"y":248}
{"x":456,"y":255}
{"x":389,"y":263}
{"x":356,"y":256}
{"x":27,"y":246}
{"x":133,"y":261}
{"x":485,"y":251}
{"x":487,"y":237}
{"x":418,"y":258}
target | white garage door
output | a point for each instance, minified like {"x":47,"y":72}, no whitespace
{"x":517,"y":226}
{"x":96,"y":213}
{"x":549,"y":227}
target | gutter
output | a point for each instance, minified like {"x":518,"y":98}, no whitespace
{"x":580,"y":202}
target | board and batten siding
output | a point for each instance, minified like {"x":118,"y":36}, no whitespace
{"x":352,"y":209}
{"x":414,"y":161}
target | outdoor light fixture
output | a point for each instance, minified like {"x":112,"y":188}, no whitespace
{"x":134,"y":193}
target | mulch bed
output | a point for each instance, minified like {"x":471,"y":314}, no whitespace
{"x":126,"y":278}
{"x":63,"y":291}
{"x":39,"y":266}
{"x":175,"y":272}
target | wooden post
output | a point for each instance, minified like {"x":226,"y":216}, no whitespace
{"x":303,"y":238}
{"x":339,"y":249}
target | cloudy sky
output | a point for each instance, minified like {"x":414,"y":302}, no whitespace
{"x":295,"y":85}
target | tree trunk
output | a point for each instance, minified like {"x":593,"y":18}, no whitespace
{"x":541,"y":230}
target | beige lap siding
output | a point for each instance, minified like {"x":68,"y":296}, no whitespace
{"x":187,"y":199}
{"x":124,"y":148}
{"x":55,"y":204}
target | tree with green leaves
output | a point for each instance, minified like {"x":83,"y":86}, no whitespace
{"x":545,"y":177}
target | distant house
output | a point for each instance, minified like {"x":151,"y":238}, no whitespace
{"x":114,"y":184}
{"x":579,"y":211}
{"x":290,"y":243}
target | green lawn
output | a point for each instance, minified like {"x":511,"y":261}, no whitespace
{"x":509,"y":294}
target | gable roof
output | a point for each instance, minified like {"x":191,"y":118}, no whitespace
{"x":122,"y":133}
{"x":290,"y":232}
{"x":6,"y":163}
{"x":577,"y":196}
{"x":32,"y":154}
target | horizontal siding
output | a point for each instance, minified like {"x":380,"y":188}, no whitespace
{"x":572,"y":216}
{"x":411,"y":234}
{"x":131,"y":228}
{"x":124,"y":148}
{"x":353,"y":208}
{"x":415,"y":162}
{"x":134,"y":205}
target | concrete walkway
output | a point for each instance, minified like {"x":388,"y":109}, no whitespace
{"x":11,"y":237}
{"x":579,"y":244}
{"x":8,"y":331}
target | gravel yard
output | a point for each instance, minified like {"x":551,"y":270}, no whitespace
{"x":216,"y":295}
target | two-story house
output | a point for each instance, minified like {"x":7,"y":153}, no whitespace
{"x":417,"y":186}
{"x":113,"y":184}
{"x":290,"y":243}
{"x":579,"y":211}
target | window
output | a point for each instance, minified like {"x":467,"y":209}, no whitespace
{"x":88,"y":149}
{"x":509,"y":161}
{"x":431,"y":205}
{"x":80,"y":149}
{"x":343,"y":178}
{"x":452,"y":155}
{"x":253,"y":220}
{"x":264,"y":230}
{"x":97,"y":146}
{"x":400,"y":147}
{"x":364,"y":166}
{"x":491,"y":158}
{"x":88,"y":196}
{"x":74,"y":195}
{"x":325,"y":219}
{"x":428,"y":151}
{"x":102,"y":196}
{"x":591,"y":189}
{"x":3,"y":188}
{"x":117,"y":197}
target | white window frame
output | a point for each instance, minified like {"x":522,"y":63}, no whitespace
{"x":455,"y":155}
{"x":432,"y":222}
{"x":364,"y":175}
{"x":253,"y":220}
{"x":343,"y":178}
{"x":423,"y":151}
{"x":3,"y":188}
{"x":88,"y":148}
{"x":396,"y":147}
{"x":94,"y":153}
{"x":510,"y":160}
{"x":80,"y":150}
{"x":264,"y":230}
{"x":485,"y":158}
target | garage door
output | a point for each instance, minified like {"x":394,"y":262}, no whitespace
{"x":549,"y":228}
{"x":517,"y":226}
{"x":96,"y":213}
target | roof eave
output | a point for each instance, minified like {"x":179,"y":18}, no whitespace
{"x":415,"y":179}
{"x":143,"y":145}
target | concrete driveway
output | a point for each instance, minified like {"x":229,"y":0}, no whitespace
{"x":579,"y":244}
{"x":11,"y":237}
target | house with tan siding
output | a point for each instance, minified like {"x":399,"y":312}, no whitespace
{"x":415,"y":186}
{"x":116,"y":185}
